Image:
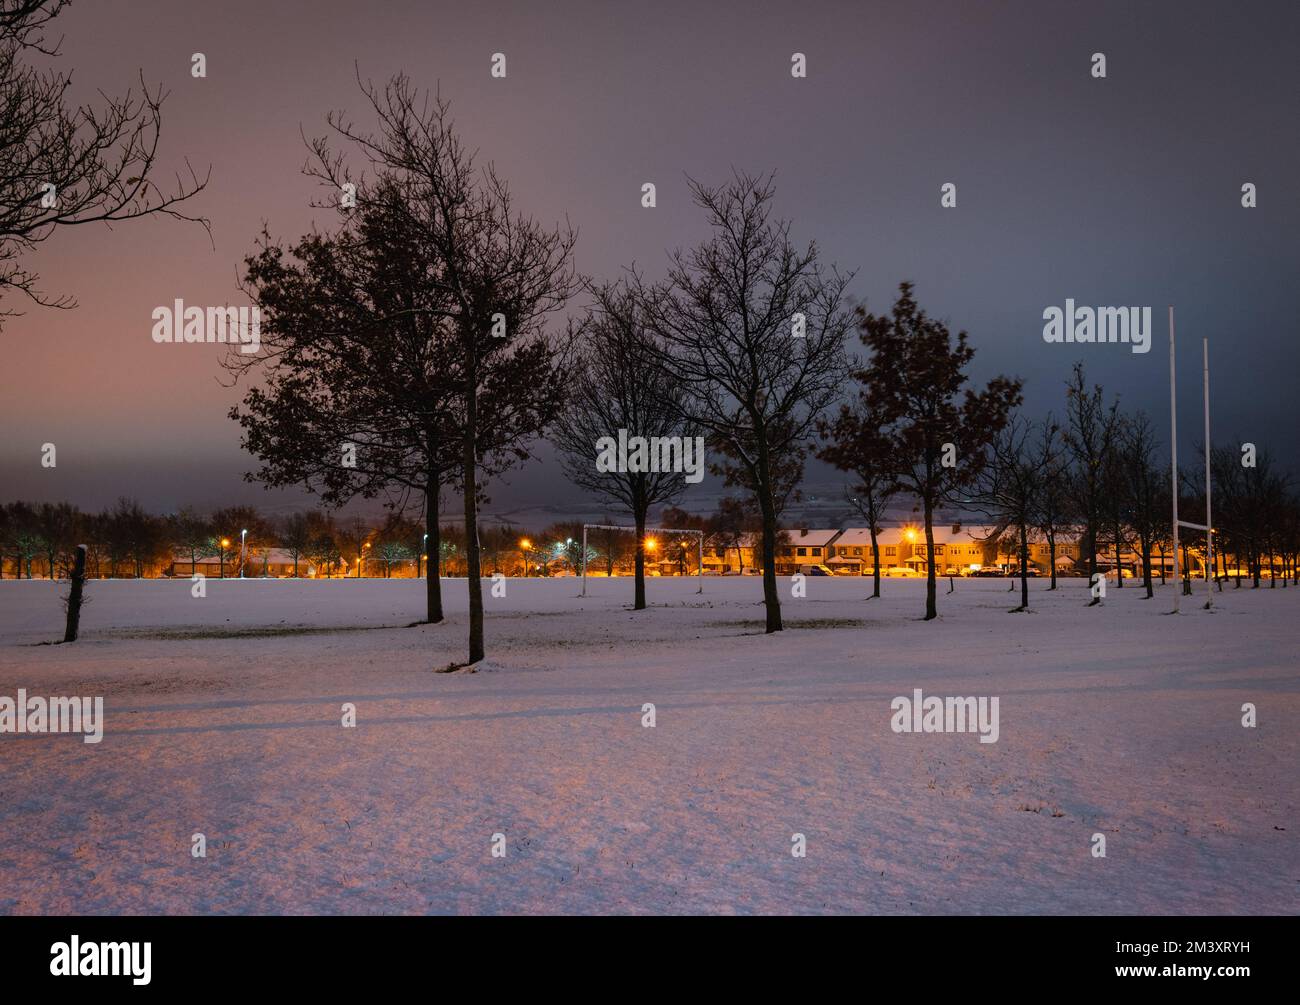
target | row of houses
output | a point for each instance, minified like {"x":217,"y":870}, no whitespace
{"x":958,"y":551}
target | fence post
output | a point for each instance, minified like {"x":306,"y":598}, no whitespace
{"x":74,"y":598}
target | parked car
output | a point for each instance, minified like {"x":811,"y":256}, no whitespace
{"x":989,"y":573}
{"x":817,"y":570}
{"x":901,"y":572}
{"x":1031,"y":573}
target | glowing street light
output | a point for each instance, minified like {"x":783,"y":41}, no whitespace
{"x":243,"y":536}
{"x":225,"y":543}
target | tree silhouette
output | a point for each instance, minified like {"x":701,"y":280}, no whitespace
{"x":64,"y":166}
{"x":753,"y":330}
{"x":618,"y":384}
{"x":914,"y":383}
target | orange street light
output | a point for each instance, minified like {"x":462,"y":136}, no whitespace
{"x":651,"y":544}
{"x":225,"y":542}
{"x":525,"y":543}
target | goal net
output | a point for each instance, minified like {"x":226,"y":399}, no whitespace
{"x":657,"y":546}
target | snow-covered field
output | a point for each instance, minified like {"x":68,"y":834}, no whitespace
{"x":223,"y":717}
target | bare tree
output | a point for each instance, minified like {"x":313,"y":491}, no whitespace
{"x":1090,"y":433}
{"x":1008,"y":489}
{"x":734,"y":523}
{"x":618,"y":385}
{"x":190,"y":532}
{"x":753,"y":330}
{"x":63,"y":166}
{"x":1145,"y":489}
{"x":856,"y":444}
{"x":56,"y":526}
{"x":1052,"y":514}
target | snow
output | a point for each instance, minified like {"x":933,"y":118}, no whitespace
{"x":223,"y":717}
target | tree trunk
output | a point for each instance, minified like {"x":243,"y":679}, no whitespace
{"x":1119,"y":561}
{"x":931,"y":603}
{"x":432,"y":574}
{"x":1092,"y":564}
{"x":1024,"y":567}
{"x":74,"y":597}
{"x":1090,"y":542}
{"x":1051,"y":556}
{"x":1146,"y":566}
{"x":470,"y":476}
{"x":771,"y":600}
{"x":638,"y":601}
{"x":875,"y":561}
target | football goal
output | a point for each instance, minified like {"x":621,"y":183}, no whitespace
{"x":651,"y":545}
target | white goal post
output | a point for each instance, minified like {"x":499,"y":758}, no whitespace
{"x":699,"y":541}
{"x":1208,"y":526}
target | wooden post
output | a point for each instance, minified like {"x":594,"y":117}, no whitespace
{"x":74,"y":598}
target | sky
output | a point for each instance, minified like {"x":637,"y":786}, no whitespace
{"x":1119,"y":191}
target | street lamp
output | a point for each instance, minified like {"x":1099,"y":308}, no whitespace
{"x":243,"y":536}
{"x":524,"y":546}
{"x":225,"y":543}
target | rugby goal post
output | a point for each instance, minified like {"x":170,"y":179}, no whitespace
{"x":1207,"y":527}
{"x":699,"y":543}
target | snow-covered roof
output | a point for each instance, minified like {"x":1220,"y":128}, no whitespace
{"x":943,"y":534}
{"x":812,"y":537}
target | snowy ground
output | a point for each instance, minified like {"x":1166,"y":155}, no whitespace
{"x":223,"y":717}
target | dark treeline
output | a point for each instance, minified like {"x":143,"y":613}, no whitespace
{"x":39,"y":541}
